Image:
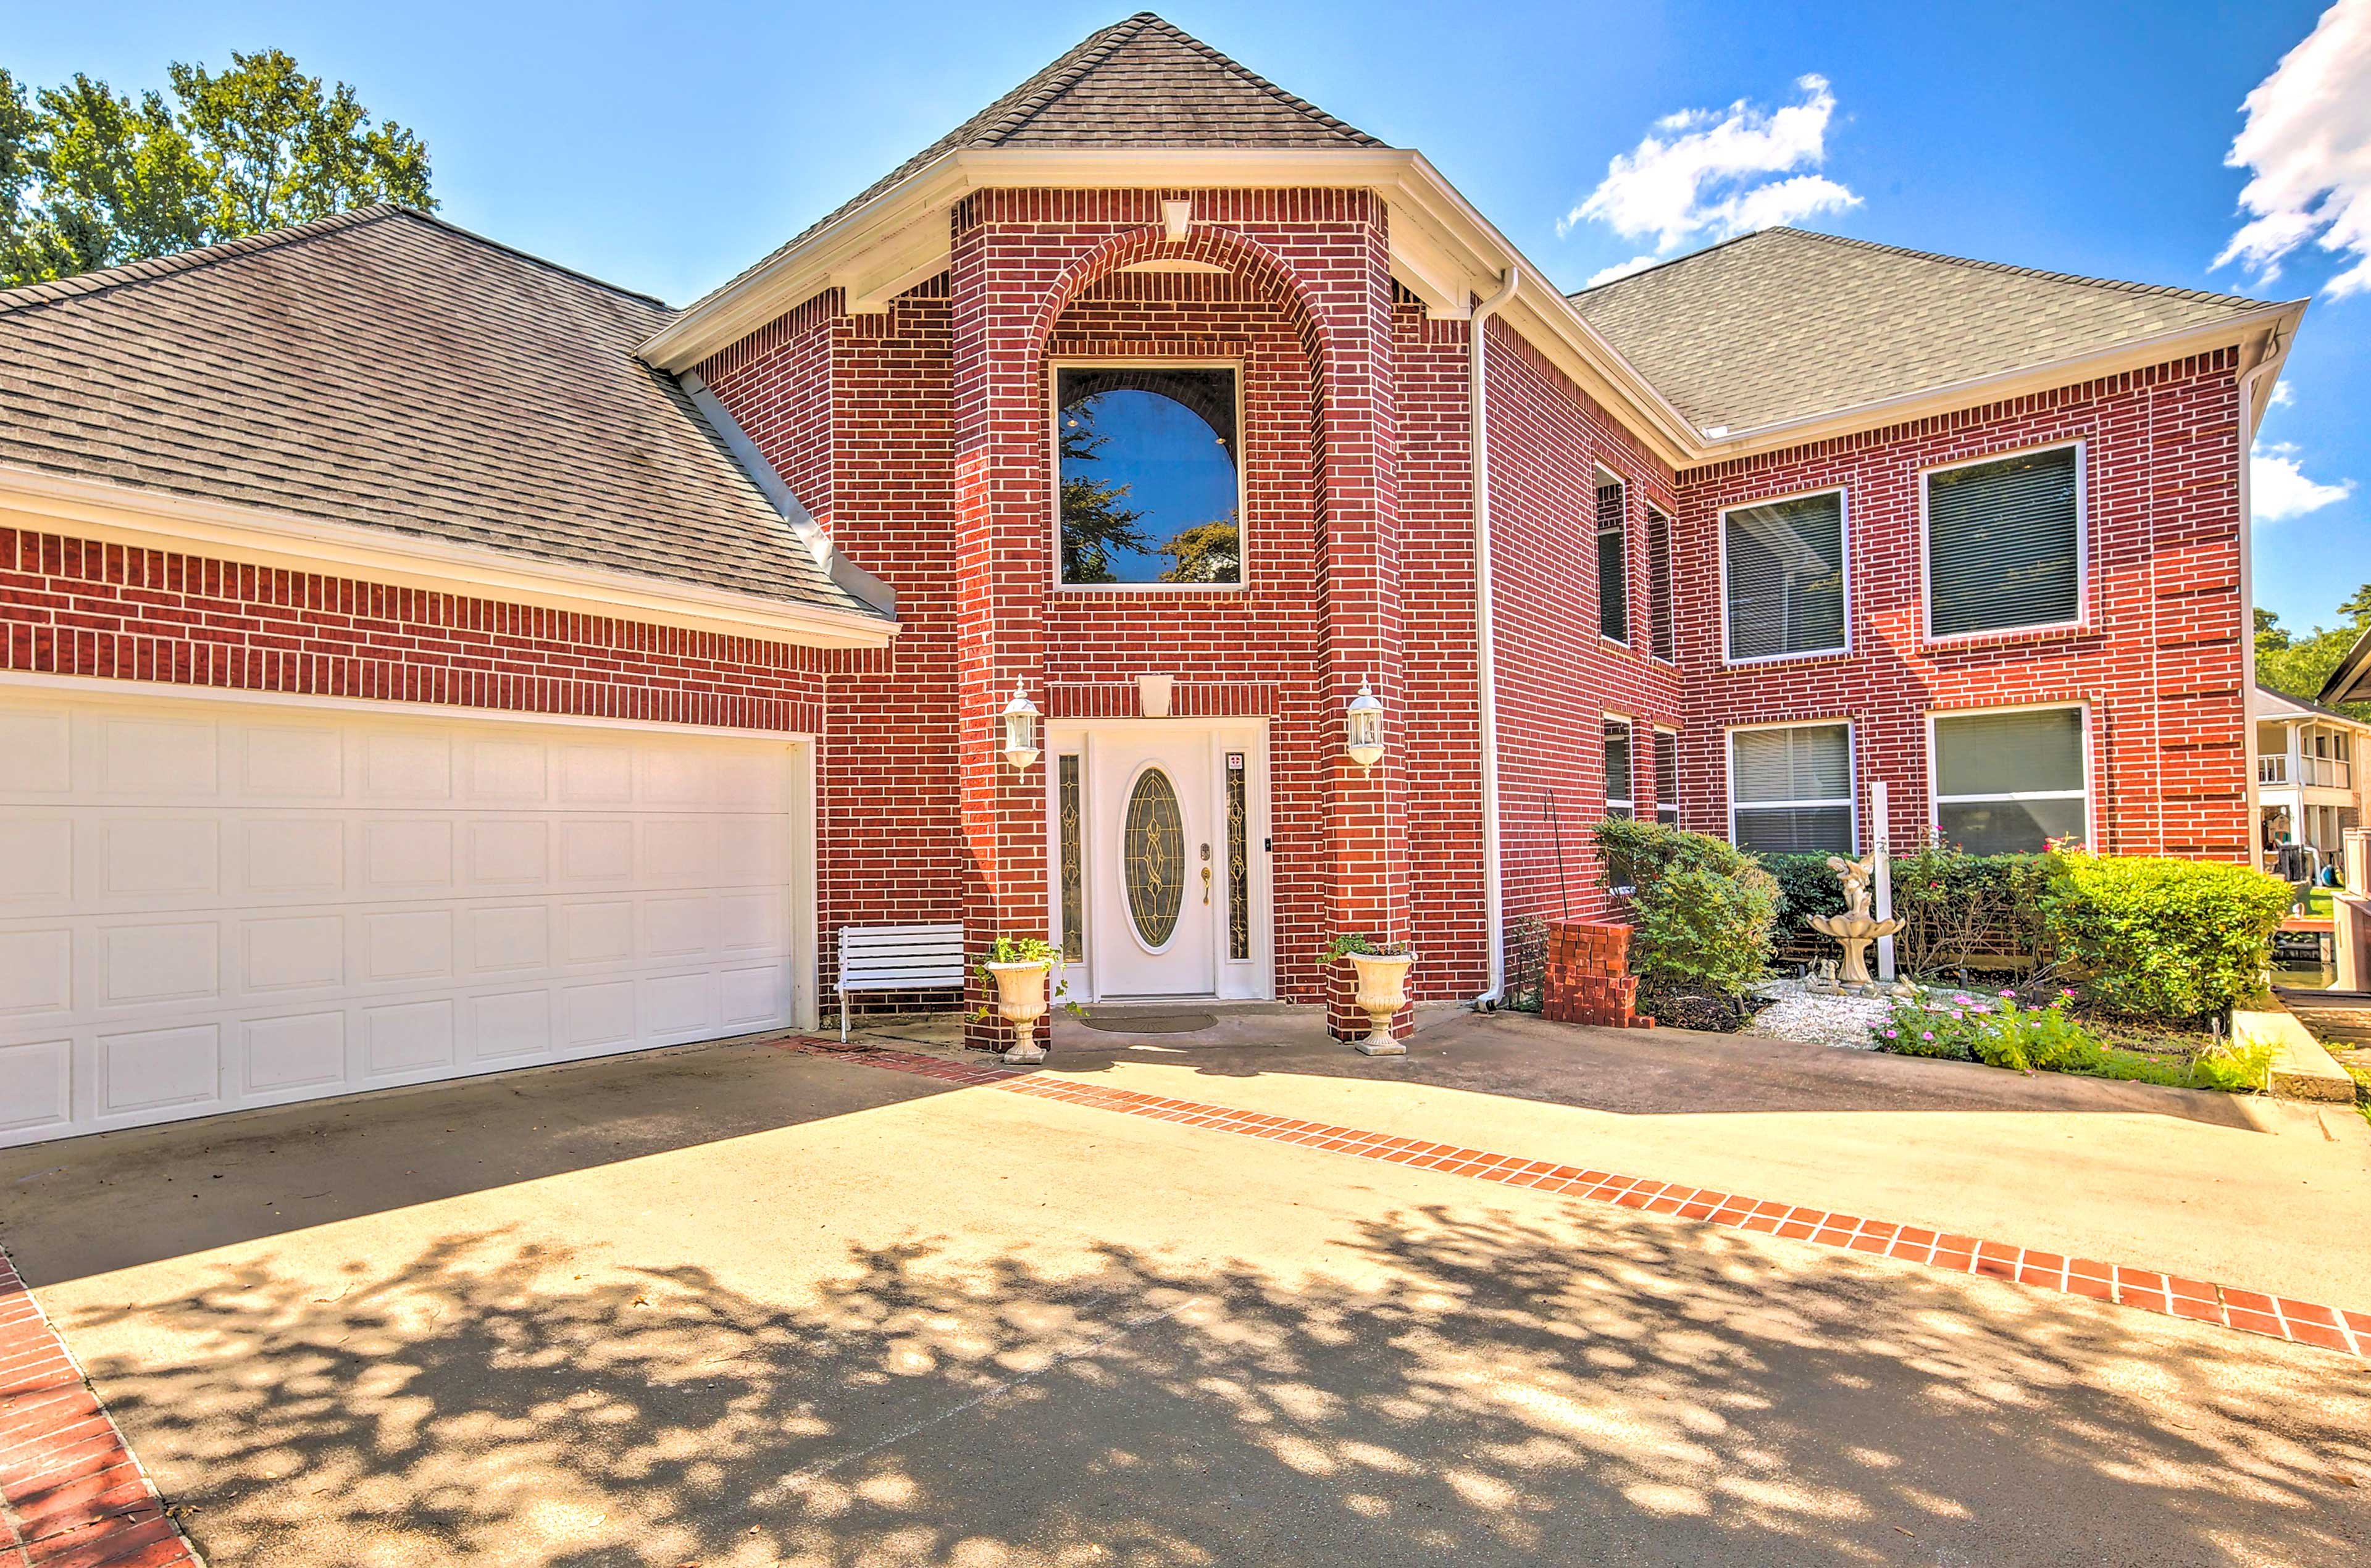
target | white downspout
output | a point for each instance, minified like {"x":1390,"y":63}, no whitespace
{"x":2275,"y":349}
{"x":1484,"y":634}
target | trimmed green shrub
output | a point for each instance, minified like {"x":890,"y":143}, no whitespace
{"x":2163,"y":938}
{"x":1957,"y":910}
{"x":1705,"y":911}
{"x":1806,"y":887}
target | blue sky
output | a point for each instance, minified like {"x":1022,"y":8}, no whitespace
{"x":664,"y":146}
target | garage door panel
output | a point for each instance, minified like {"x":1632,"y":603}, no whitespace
{"x":143,"y":1071}
{"x":408,"y":767}
{"x":37,"y":850}
{"x":150,"y":757}
{"x":36,"y":754}
{"x":282,"y":763}
{"x":148,"y":962}
{"x":293,"y":1056}
{"x":211,"y":906}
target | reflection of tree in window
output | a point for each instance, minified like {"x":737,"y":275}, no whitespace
{"x":1149,"y":485}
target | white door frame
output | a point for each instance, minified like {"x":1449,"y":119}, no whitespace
{"x":805,"y":959}
{"x":1239,"y":979}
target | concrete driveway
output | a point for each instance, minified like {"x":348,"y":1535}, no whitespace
{"x":736,"y":1305}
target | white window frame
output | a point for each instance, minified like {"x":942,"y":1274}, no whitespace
{"x":1852,"y":772}
{"x":1597,"y":536}
{"x":1630,"y":802}
{"x":1844,"y":535}
{"x":1054,"y":367}
{"x":2082,"y":544}
{"x":2089,"y":795}
{"x":1654,"y":730}
{"x":1671,"y":589}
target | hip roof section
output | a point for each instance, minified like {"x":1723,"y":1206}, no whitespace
{"x":383,"y":368}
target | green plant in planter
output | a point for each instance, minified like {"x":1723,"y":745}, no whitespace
{"x":1345,"y":943}
{"x":1023,"y":950}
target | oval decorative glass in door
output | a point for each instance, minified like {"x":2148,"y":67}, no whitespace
{"x":1152,"y":857}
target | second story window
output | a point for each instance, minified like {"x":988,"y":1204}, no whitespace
{"x":1613,"y":559}
{"x":1150,"y":487}
{"x":1783,"y":576}
{"x":2005,"y":543}
{"x":1659,"y":639}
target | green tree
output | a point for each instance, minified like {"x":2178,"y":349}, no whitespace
{"x":2298,"y":663}
{"x":1207,"y":552}
{"x":90,"y":177}
{"x":1095,"y":521}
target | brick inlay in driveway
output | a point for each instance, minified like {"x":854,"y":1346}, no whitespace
{"x":2301,"y":1322}
{"x":71,"y":1493}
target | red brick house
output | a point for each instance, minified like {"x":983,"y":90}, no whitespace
{"x":417,"y":659}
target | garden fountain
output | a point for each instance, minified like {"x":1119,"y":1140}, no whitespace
{"x":1857,"y":927}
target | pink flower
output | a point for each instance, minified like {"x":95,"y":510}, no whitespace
{"x":1957,"y":1013}
{"x":1895,"y":1034}
{"x":2067,"y":991}
{"x":1928,"y":1035}
{"x":2009,"y":993}
{"x":1963,"y":999}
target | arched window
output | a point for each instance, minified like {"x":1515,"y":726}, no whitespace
{"x":1150,"y":484}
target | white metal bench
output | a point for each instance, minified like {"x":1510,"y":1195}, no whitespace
{"x":898,"y":958}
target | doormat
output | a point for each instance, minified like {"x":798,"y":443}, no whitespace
{"x":1150,"y":1023}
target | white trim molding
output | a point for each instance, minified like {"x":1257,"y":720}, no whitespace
{"x":146,"y":519}
{"x":1442,"y":250}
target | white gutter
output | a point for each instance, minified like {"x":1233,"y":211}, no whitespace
{"x":2276,"y":347}
{"x":1485,"y":632}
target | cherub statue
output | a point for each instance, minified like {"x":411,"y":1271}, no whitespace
{"x":1856,"y":876}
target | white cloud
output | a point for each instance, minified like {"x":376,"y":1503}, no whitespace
{"x":2284,"y":396}
{"x":1620,"y":270}
{"x":2307,"y":145}
{"x":1707,"y":172}
{"x":2278,"y":488}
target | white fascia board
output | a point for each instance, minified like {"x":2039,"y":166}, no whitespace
{"x":2249,"y":330}
{"x":185,"y":524}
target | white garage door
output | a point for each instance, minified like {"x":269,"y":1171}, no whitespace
{"x":209,"y":905}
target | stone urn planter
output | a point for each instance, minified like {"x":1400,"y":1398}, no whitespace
{"x":1382,"y":993}
{"x":1021,"y":1002}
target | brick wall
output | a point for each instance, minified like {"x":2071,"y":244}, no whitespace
{"x":2158,"y":658}
{"x":79,"y":608}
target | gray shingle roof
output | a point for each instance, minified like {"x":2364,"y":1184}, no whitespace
{"x":1141,"y":83}
{"x":1785,"y":324}
{"x":381,"y":367}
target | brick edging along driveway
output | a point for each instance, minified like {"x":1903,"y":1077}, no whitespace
{"x":2251,"y":1311}
{"x":71,"y":1493}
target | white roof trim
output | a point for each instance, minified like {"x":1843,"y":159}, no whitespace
{"x":1443,"y":250}
{"x":156,"y":520}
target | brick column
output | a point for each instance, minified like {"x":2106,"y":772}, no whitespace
{"x":1003,"y":569}
{"x":1361,"y":618}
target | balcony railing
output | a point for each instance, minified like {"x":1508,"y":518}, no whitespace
{"x":2315,"y":772}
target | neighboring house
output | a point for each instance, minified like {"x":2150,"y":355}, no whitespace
{"x":417,"y":659}
{"x":2305,"y":789}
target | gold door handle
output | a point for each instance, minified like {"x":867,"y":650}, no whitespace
{"x":1205,"y":884}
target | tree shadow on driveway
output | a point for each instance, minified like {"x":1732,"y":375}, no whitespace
{"x":1444,"y":1384}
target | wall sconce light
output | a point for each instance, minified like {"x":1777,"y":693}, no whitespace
{"x":1362,"y":728}
{"x":1020,"y":728}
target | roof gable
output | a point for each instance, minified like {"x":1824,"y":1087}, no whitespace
{"x":383,"y":368}
{"x":1139,"y":83}
{"x":1785,"y":324}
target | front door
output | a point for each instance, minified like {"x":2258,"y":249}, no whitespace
{"x":1156,"y":868}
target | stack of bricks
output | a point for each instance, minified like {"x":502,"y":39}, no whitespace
{"x":1589,"y":978}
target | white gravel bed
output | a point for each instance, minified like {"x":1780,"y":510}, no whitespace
{"x":1820,"y":1021}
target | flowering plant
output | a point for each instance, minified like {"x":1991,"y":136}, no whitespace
{"x":1994,"y":1029}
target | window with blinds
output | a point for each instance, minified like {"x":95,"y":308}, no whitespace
{"x":1790,"y":788}
{"x":2008,"y":783}
{"x":1613,"y":560}
{"x":1619,"y":802}
{"x":1784,"y":577}
{"x":1659,"y":639}
{"x":1667,"y":778}
{"x":2004,"y":543}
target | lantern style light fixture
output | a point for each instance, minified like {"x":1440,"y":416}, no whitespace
{"x":1362,"y":728}
{"x":1020,"y":728}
